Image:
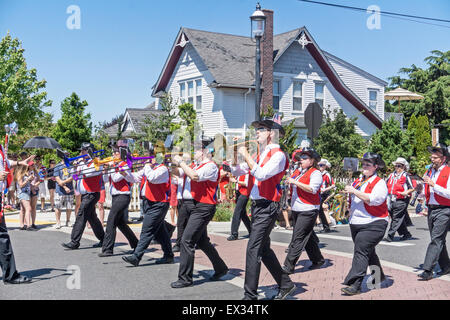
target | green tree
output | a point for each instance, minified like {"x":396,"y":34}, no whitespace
{"x":434,"y":84}
{"x":21,"y":98}
{"x":75,"y":126}
{"x":391,"y":142}
{"x":419,"y":129}
{"x":338,"y":139}
{"x":188,"y":122}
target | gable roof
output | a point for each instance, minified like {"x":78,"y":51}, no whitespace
{"x":231,"y":60}
{"x":137,"y":117}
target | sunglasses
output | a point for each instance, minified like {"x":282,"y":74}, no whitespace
{"x":398,"y":166}
{"x":321,"y":165}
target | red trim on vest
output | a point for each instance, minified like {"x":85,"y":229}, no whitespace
{"x":380,"y":211}
{"x":306,"y":197}
{"x":205,"y":191}
{"x":156,"y":192}
{"x":398,"y":187}
{"x":92,"y":184}
{"x":442,"y":181}
{"x":122,"y":185}
{"x":245,"y":191}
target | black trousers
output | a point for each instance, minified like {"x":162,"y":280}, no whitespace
{"x":116,"y":220}
{"x":365,"y":237}
{"x":303,"y":238}
{"x":200,"y":214}
{"x":322,"y":217}
{"x":7,"y":261}
{"x":183,"y":217}
{"x":398,"y":213}
{"x":264,"y":214}
{"x":153,"y":227}
{"x":438,"y":224}
{"x":239,"y":214}
{"x":87,"y":213}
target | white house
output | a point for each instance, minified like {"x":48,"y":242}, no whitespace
{"x":215,"y":72}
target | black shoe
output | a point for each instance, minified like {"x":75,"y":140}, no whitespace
{"x":217,"y":275}
{"x":23,"y":228}
{"x":406,"y":237}
{"x":105,"y":254}
{"x":70,"y":245}
{"x":180,"y":284}
{"x":284,"y":293}
{"x":18,"y":280}
{"x":444,"y":272}
{"x":388,"y":239}
{"x":32,"y":228}
{"x":131,"y":260}
{"x":317,"y":265}
{"x":351,"y":290}
{"x":286,"y":270}
{"x":164,"y":260}
{"x":176,"y":248}
{"x":232,"y":238}
{"x":426,"y":275}
{"x":98,"y":245}
{"x":326,"y":230}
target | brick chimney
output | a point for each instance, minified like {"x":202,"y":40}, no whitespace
{"x":267,"y":61}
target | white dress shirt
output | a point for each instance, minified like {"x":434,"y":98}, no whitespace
{"x":439,"y":190}
{"x":274,"y":166}
{"x":117,"y":177}
{"x":158,"y":175}
{"x":207,"y":172}
{"x":315,"y":182}
{"x":87,"y":171}
{"x":358,"y":213}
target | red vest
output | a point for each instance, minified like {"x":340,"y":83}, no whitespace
{"x":398,"y":186}
{"x":92,"y":184}
{"x":204,"y":191}
{"x":380,"y":211}
{"x":269,"y":189}
{"x":156,"y":192}
{"x":9,"y":177}
{"x":122,"y":185}
{"x":306,"y":197}
{"x":441,"y":181}
{"x":245,"y":191}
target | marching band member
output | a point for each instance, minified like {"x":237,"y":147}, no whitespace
{"x":305,"y":187}
{"x":240,"y":211}
{"x":368,"y":221}
{"x":155,"y":189}
{"x":327,"y":185}
{"x":266,"y":172}
{"x":437,"y":194}
{"x":7,"y":261}
{"x":120,"y":187}
{"x":400,"y":188}
{"x":89,"y":187}
{"x":199,"y":205}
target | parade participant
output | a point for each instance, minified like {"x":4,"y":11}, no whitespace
{"x":224,"y":180}
{"x":266,"y":172}
{"x":64,"y":193}
{"x":90,"y":186}
{"x":51,"y":183}
{"x":34,"y":192}
{"x":7,"y":261}
{"x":400,"y":187}
{"x":155,"y":189}
{"x":325,"y":188}
{"x":240,"y":211}
{"x":437,"y":194}
{"x":368,"y":221}
{"x":305,"y":185}
{"x":182,"y":216}
{"x":199,"y":205}
{"x":120,"y":183}
{"x":83,"y":151}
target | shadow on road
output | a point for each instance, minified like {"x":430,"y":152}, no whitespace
{"x":37,"y":273}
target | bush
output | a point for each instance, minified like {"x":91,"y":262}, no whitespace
{"x":224,"y":212}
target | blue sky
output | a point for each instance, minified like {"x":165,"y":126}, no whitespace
{"x":116,"y":57}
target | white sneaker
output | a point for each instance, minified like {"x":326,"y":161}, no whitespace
{"x":58,"y":226}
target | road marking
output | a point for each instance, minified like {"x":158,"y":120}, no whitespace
{"x":393,"y":244}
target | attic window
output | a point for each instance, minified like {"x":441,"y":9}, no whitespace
{"x":191,"y":92}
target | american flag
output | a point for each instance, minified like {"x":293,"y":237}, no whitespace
{"x":277,"y":118}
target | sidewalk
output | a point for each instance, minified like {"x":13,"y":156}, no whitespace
{"x":321,"y":284}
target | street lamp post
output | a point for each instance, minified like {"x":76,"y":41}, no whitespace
{"x":257,"y":31}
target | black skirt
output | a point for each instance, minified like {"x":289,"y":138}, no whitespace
{"x":51,"y":184}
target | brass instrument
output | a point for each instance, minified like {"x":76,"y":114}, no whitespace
{"x":230,"y":191}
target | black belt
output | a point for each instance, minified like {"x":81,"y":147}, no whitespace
{"x":260,"y":201}
{"x":436,"y":206}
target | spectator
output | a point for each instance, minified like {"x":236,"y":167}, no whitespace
{"x":12,"y":187}
{"x":23,"y":155}
{"x":51,"y":183}
{"x":41,"y":173}
{"x":64,"y":194}
{"x":23,"y":176}
{"x":34,"y":194}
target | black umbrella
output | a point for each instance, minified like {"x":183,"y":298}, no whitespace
{"x":42,"y":143}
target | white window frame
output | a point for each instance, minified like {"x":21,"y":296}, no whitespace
{"x":301,"y":82}
{"x":368,"y":97}
{"x":277,"y":95}
{"x":192,"y":96}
